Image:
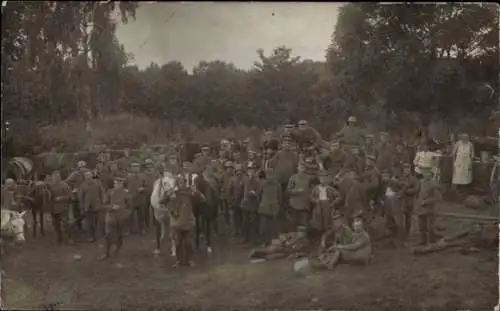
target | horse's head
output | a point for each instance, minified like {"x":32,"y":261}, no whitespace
{"x":13,"y":225}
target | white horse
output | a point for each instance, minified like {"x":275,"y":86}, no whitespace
{"x":161,"y":188}
{"x":12,"y":227}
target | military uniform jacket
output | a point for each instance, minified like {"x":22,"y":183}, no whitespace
{"x":355,"y":200}
{"x":428,"y":194}
{"x":181,"y":210}
{"x":351,"y":136}
{"x":226,"y":186}
{"x":270,"y":197}
{"x":61,"y":195}
{"x":202,"y":162}
{"x":134,"y":183}
{"x":150,"y":178}
{"x":75,"y":179}
{"x":298,"y":188}
{"x":91,"y":194}
{"x":236,"y":190}
{"x":386,"y":157}
{"x":332,"y":195}
{"x":119,"y":197}
{"x":284,"y":164}
{"x":341,"y":236}
{"x":371,"y":181}
{"x":250,"y":201}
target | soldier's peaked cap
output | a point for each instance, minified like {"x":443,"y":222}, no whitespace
{"x":302,"y":122}
{"x":336,"y":214}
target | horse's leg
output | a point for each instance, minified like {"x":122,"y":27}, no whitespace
{"x":34,"y":214}
{"x":42,"y":225}
{"x":208,"y":231}
{"x":197,"y":229}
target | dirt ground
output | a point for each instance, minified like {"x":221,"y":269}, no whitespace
{"x":40,"y":274}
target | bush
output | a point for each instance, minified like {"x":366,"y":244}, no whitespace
{"x":134,"y":131}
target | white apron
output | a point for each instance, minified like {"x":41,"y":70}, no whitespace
{"x":462,"y":167}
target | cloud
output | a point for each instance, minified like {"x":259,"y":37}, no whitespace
{"x":191,"y":32}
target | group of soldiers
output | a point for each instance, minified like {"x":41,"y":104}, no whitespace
{"x":293,"y":181}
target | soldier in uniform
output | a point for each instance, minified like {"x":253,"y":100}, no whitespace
{"x":351,"y":247}
{"x":355,"y":199}
{"x":150,"y":177}
{"x":308,"y":136}
{"x":350,"y":136}
{"x":125,"y":161}
{"x":270,"y":195}
{"x":250,"y":204}
{"x":386,"y":153}
{"x":118,"y":211}
{"x":74,"y":180}
{"x":326,"y":199}
{"x":182,"y":221}
{"x":299,"y":190}
{"x":205,"y":159}
{"x":227,"y":175}
{"x":371,"y":180}
{"x":136,"y":186}
{"x":285,"y":163}
{"x":427,"y":197}
{"x":236,"y":190}
{"x":90,"y":197}
{"x":173,"y":165}
{"x":61,"y":196}
{"x":407,"y":194}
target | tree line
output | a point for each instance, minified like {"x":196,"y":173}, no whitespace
{"x":394,"y":64}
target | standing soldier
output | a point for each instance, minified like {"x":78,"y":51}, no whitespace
{"x":205,"y":159}
{"x":173,"y":165}
{"x":118,"y":211}
{"x":125,"y":161}
{"x":355,"y":199}
{"x":407,"y":195}
{"x":74,"y":180}
{"x":103,"y":171}
{"x":270,"y":197}
{"x":371,"y":180}
{"x":285,"y":163}
{"x":252,"y":160}
{"x":250,"y":204}
{"x":425,"y":205}
{"x":136,"y":185}
{"x":182,"y":221}
{"x":299,"y":190}
{"x":325,"y":199}
{"x":150,"y":177}
{"x":386,"y":153}
{"x":236,"y":191}
{"x":337,"y":158}
{"x":226,"y":191}
{"x":90,"y":197}
{"x":61,"y":195}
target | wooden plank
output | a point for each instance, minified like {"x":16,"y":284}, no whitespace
{"x":468,"y":216}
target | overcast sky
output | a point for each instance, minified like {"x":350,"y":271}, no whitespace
{"x":194,"y":31}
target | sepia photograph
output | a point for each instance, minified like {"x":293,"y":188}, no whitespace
{"x":250,"y":155}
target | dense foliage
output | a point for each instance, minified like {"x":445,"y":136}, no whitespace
{"x":61,"y":61}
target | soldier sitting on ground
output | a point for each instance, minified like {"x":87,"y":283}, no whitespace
{"x":292,"y":244}
{"x":349,"y":246}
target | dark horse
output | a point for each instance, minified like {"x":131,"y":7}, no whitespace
{"x":39,"y":201}
{"x":205,"y":205}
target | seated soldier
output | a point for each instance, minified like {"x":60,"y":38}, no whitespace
{"x":351,"y":246}
{"x":292,"y":244}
